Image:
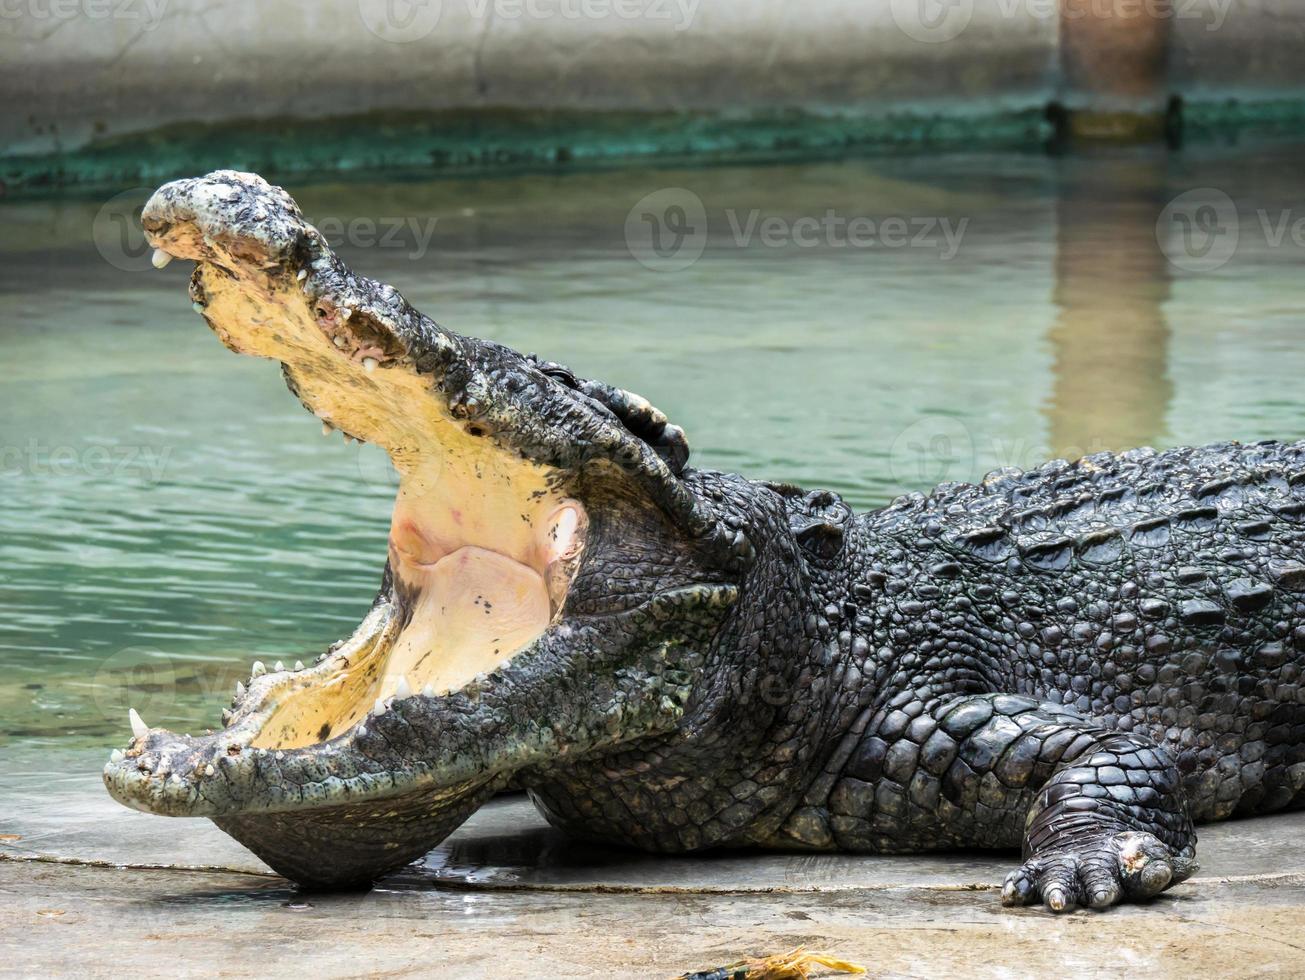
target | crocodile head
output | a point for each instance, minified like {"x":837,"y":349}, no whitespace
{"x":551,"y":585}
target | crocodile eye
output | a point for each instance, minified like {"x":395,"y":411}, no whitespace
{"x":821,"y":540}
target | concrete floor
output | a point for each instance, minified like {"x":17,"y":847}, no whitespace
{"x":94,"y":890}
{"x":90,"y":921}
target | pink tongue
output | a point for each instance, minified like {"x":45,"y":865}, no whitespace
{"x":475,"y":608}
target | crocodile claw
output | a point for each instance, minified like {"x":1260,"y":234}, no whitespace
{"x":1128,"y":866}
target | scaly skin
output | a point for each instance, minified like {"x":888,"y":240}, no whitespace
{"x":1079,"y":660}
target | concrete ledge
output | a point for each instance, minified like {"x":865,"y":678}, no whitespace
{"x":143,"y":64}
{"x":462,"y":142}
{"x":115,"y":92}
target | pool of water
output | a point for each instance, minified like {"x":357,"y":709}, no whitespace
{"x":170,"y":513}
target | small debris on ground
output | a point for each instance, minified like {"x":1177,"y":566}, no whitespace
{"x":794,"y":965}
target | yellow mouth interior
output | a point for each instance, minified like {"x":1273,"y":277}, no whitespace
{"x":483,"y":546}
{"x":461,"y":613}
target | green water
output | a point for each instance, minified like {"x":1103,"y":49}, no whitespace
{"x":170,"y":513}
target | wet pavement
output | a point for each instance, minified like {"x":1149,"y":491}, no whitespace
{"x":90,"y":888}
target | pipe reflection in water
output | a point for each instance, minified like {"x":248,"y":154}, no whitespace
{"x":1110,"y":341}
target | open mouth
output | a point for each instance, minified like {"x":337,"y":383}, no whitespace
{"x":483,"y":542}
{"x":548,"y":571}
{"x":482,"y":553}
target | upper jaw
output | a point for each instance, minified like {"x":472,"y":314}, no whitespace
{"x":269,"y":285}
{"x":360,"y":357}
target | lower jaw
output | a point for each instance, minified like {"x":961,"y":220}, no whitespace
{"x":354,"y":844}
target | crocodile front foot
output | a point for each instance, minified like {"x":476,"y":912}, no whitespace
{"x":1127,"y":866}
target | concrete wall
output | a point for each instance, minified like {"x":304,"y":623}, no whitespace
{"x":81,"y":68}
{"x":76,"y":70}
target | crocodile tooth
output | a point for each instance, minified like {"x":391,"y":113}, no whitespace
{"x":240,"y":689}
{"x":258,"y":670}
{"x":379,"y":707}
{"x":340,"y":341}
{"x":278,"y":667}
{"x":327,"y":428}
{"x":369,"y":364}
{"x":160,"y":258}
{"x":345,"y":313}
{"x":428,"y":691}
{"x":116,"y":755}
{"x":209,"y":770}
{"x":403,"y":689}
{"x":138,"y":728}
{"x":301,"y":275}
{"x":299,"y":665}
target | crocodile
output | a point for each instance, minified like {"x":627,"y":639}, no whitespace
{"x":1081,"y":661}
